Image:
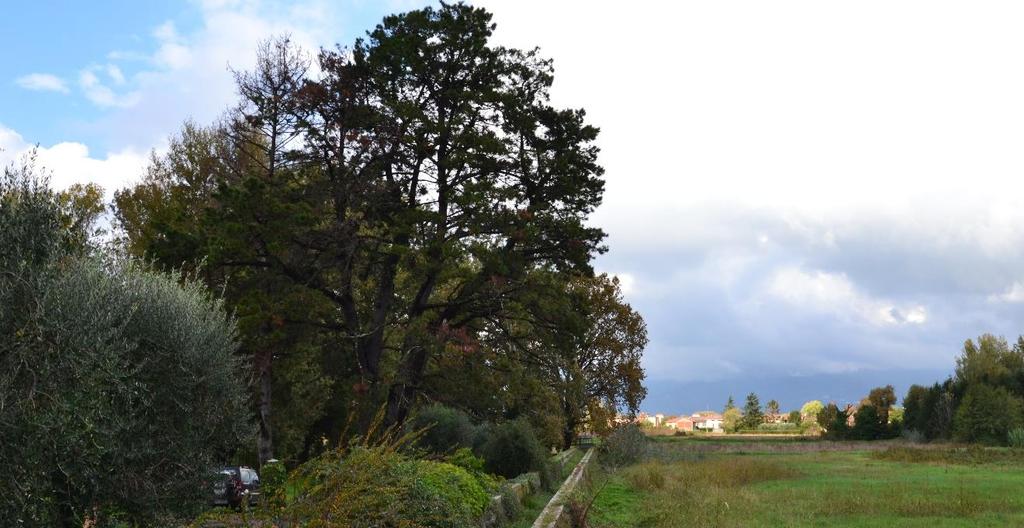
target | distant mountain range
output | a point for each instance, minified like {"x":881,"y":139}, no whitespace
{"x":685,"y":397}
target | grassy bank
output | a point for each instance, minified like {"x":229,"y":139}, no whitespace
{"x":818,"y":488}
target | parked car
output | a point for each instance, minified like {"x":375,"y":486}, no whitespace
{"x":234,"y":484}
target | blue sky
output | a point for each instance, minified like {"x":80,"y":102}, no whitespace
{"x":62,"y":39}
{"x":797,"y":194}
{"x":116,"y":75}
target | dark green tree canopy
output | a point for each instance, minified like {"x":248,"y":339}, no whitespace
{"x":753,"y":417}
{"x":376,"y":219}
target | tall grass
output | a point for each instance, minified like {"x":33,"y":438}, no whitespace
{"x":919,"y":499}
{"x":814,"y":489}
{"x":712,"y":472}
{"x":1015,"y":438}
{"x":694,"y":493}
{"x":969,"y":455}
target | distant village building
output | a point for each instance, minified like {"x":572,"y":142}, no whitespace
{"x":680,"y":423}
{"x":707,"y":421}
{"x":652,"y":420}
{"x":657,"y":420}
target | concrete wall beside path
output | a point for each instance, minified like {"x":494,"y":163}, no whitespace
{"x":556,"y":513}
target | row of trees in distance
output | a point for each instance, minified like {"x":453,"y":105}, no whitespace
{"x":982,"y":402}
{"x":874,"y":418}
{"x":752,"y":417}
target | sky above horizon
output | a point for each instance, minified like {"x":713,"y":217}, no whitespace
{"x":797,"y":189}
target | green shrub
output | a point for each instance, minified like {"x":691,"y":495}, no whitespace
{"x":111,"y":375}
{"x":987,"y":414}
{"x":833,"y":420}
{"x":866,"y":425}
{"x":448,"y":490}
{"x":510,"y":449}
{"x":272,"y":478}
{"x":777,"y":428}
{"x":464,"y":458}
{"x":1015,"y":438}
{"x":625,"y":446}
{"x":379,"y":486}
{"x":446,"y":429}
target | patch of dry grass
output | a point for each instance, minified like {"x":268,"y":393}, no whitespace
{"x":717,"y":472}
{"x":960,"y":455}
{"x":698,"y":492}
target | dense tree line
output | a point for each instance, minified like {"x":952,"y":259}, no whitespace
{"x":407,"y":224}
{"x":982,"y":402}
{"x":875,"y":418}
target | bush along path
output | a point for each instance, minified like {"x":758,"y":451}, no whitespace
{"x":373,"y":483}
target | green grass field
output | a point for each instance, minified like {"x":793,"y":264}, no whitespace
{"x":898,"y":488}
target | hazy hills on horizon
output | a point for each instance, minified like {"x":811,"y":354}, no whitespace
{"x":674,"y":397}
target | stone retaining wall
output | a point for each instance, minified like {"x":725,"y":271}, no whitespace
{"x":555,"y":514}
{"x":522,"y":487}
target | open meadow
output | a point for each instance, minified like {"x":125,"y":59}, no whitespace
{"x":806,"y":483}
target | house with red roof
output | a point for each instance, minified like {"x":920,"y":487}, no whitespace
{"x":680,"y":423}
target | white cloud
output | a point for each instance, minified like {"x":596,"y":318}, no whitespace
{"x":1013,"y":294}
{"x":166,"y":32}
{"x":627,"y":282}
{"x":790,"y":109}
{"x":916,"y":315}
{"x":172,"y":54}
{"x":147,"y":95}
{"x":186,"y":74}
{"x":115,"y":74}
{"x":70,"y":162}
{"x":42,"y":82}
{"x":102,"y":95}
{"x":863,"y":159}
{"x":835,"y":294}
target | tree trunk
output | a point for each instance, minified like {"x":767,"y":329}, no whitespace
{"x":569,"y":430}
{"x":65,"y":500}
{"x":568,"y":436}
{"x":265,"y":441}
{"x":402,"y":393}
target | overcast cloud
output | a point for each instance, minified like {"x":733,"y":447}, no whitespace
{"x":802,"y":188}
